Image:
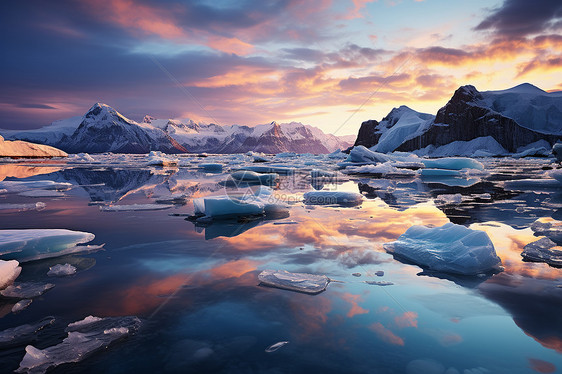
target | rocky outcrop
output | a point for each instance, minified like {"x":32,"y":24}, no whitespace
{"x":462,"y":118}
{"x":367,"y":135}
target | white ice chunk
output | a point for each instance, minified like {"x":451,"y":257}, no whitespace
{"x":9,"y":271}
{"x":33,"y":244}
{"x":332,"y":197}
{"x":543,"y":250}
{"x":276,"y":346}
{"x":60,"y":270}
{"x":253,"y":177}
{"x":450,"y":248}
{"x":82,"y":341}
{"x":557,"y":151}
{"x":21,"y":186}
{"x":22,"y":207}
{"x":134,"y":207}
{"x":41,"y":193}
{"x":231,"y":206}
{"x":301,"y":282}
{"x":21,"y":305}
{"x":363,"y":154}
{"x":26,"y":290}
{"x":23,"y":333}
{"x":449,"y":198}
{"x":556,"y":174}
{"x":157,"y":158}
{"x":81,"y":158}
{"x":453,"y":163}
{"x":86,"y":321}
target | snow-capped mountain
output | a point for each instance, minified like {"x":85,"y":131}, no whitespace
{"x":103,"y":129}
{"x":499,"y":121}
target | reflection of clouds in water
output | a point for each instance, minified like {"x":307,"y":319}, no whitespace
{"x":509,"y":243}
{"x":354,"y":300}
{"x":385,"y":334}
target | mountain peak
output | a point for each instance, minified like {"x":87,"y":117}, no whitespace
{"x":523,"y":88}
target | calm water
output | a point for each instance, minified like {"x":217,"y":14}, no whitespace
{"x":196,"y":288}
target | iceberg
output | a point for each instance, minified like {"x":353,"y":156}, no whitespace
{"x":333,"y":198}
{"x":362,"y":154}
{"x":19,"y":149}
{"x":557,"y":151}
{"x":440,"y":173}
{"x":548,"y":227}
{"x":34,"y":244}
{"x":450,"y":248}
{"x":453,"y":163}
{"x":22,"y":186}
{"x":300,"y":282}
{"x":41,"y":193}
{"x":9,"y":271}
{"x":24,"y":333}
{"x":157,"y":158}
{"x":21,"y":305}
{"x":83,"y":339}
{"x":26,"y":290}
{"x":386,"y":169}
{"x":543,"y":250}
{"x":60,"y":270}
{"x":22,"y":207}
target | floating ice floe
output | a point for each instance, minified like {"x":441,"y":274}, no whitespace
{"x":9,"y":271}
{"x":332,"y":198}
{"x":60,"y":270}
{"x":453,"y":163}
{"x":316,"y":173}
{"x":532,"y":184}
{"x":548,"y":227}
{"x":379,"y":283}
{"x":134,"y":207}
{"x":26,"y":290}
{"x":556,"y":174}
{"x":227,"y":206}
{"x":21,"y":305}
{"x":157,"y":158}
{"x":24,"y":333}
{"x":261,"y":159}
{"x":22,"y":207}
{"x":449,"y":198}
{"x":210,"y":167}
{"x":253,"y":177}
{"x":543,"y":250}
{"x":362,"y":154}
{"x":34,"y":244}
{"x":80,"y":158}
{"x":557,"y":151}
{"x":83,"y":339}
{"x":21,"y":186}
{"x":300,"y":282}
{"x":450,"y":248}
{"x":281,"y":170}
{"x":276,"y":346}
{"x":385,"y":169}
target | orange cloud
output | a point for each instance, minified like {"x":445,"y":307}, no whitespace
{"x":408,"y":319}
{"x":385,"y":334}
{"x":354,"y":301}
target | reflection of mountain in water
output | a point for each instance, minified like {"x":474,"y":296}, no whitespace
{"x":534,"y":304}
{"x":111,"y":184}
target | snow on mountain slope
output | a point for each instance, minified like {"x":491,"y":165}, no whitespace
{"x":103,"y":129}
{"x":50,"y":134}
{"x":529,"y":106}
{"x":398,"y":126}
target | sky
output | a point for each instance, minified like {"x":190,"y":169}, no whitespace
{"x":327,"y":63}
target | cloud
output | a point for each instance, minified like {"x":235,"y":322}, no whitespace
{"x":519,"y":18}
{"x":385,"y":334}
{"x":34,"y":106}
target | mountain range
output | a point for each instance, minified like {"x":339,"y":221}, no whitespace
{"x":103,"y":129}
{"x":490,"y":122}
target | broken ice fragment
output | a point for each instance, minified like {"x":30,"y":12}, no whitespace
{"x":379,"y":273}
{"x":26,"y":290}
{"x":300,"y":282}
{"x":34,"y":244}
{"x":548,"y":227}
{"x":24,"y":333}
{"x":543,"y":250}
{"x":9,"y":271}
{"x":84,"y":338}
{"x":21,"y":305}
{"x":276,"y":346}
{"x":60,"y":270}
{"x":134,"y":207}
{"x":450,"y":248}
{"x":379,"y":283}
